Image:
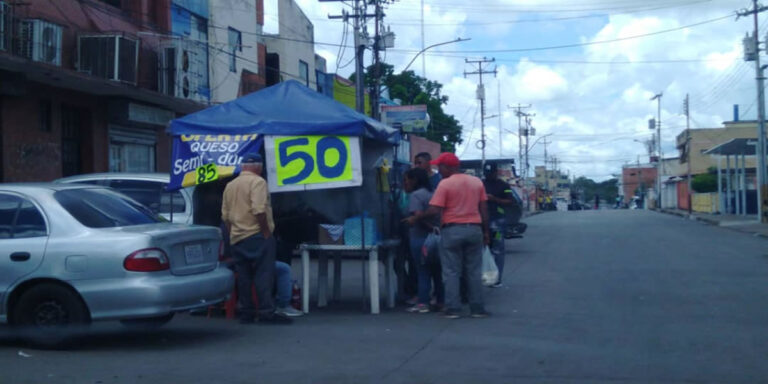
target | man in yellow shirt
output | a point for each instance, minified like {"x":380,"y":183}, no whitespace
{"x":247,"y":212}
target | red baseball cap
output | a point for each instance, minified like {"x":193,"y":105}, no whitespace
{"x":446,"y":158}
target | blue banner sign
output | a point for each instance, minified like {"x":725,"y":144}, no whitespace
{"x":199,"y":159}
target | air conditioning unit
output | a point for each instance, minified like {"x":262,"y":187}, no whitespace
{"x":112,"y":57}
{"x":40,"y":40}
{"x":182,"y":65}
{"x":5,"y":25}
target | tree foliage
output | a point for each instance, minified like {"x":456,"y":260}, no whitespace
{"x":414,"y":90}
{"x":704,"y":183}
{"x":586,"y":189}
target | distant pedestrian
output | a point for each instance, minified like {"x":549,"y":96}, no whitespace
{"x":500,"y":199}
{"x":422,"y":160}
{"x":462,"y":202}
{"x":416,"y":183}
{"x":597,"y":201}
{"x":247,"y":213}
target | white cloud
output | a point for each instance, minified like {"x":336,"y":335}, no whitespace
{"x":593,"y":99}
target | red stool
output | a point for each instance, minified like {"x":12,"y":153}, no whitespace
{"x":230,"y":306}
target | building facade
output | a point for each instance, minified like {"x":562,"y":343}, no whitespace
{"x":637,"y":180}
{"x":290,"y":53}
{"x":90,"y":85}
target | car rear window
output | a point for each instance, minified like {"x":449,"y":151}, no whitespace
{"x":102,"y":208}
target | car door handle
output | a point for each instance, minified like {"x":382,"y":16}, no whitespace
{"x":20,"y":256}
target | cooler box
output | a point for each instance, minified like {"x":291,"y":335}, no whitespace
{"x":353,"y":231}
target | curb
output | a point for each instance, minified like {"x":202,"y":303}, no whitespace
{"x":710,"y":222}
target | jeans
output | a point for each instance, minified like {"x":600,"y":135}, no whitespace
{"x":497,"y":244}
{"x":255,"y":266}
{"x":461,"y":253}
{"x":430,"y":275}
{"x":284,"y":288}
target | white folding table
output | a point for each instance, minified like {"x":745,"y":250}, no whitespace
{"x":386,"y":247}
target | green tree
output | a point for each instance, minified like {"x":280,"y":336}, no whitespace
{"x":413,"y":90}
{"x":704,"y":183}
{"x":587,"y":189}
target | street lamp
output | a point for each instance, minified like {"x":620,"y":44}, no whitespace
{"x":458,"y":40}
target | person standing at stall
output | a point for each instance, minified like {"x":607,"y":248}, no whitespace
{"x":499,"y":198}
{"x":422,"y":160}
{"x":461,"y":201}
{"x":416,"y":182}
{"x":247,"y":213}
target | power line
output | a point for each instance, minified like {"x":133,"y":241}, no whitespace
{"x":595,"y":42}
{"x":542,"y":20}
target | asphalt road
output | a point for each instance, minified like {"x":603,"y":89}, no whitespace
{"x":589,"y":297}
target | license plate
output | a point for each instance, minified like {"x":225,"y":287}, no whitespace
{"x":193,"y":254}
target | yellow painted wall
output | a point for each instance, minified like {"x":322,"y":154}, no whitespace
{"x":345,"y":94}
{"x":705,"y":202}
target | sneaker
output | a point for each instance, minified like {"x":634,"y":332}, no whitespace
{"x":418,"y":308}
{"x":437,"y":308}
{"x":480,"y":314}
{"x":497,"y":285}
{"x":450,"y":314}
{"x":289,"y":311}
{"x":276,"y":318}
{"x":412,"y":301}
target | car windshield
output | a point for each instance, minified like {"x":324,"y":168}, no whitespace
{"x":102,"y":208}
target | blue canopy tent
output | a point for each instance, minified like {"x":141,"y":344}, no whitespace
{"x":288,"y":108}
{"x":207,"y":146}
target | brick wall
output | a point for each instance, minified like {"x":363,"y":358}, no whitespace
{"x":31,"y":154}
{"x":634,"y":177}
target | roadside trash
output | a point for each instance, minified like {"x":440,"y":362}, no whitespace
{"x":22,"y":354}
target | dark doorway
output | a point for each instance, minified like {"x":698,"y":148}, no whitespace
{"x":75,"y":129}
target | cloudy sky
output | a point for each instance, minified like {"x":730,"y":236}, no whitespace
{"x":587,"y":68}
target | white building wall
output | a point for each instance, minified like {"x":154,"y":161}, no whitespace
{"x":240,"y":15}
{"x":294,"y":42}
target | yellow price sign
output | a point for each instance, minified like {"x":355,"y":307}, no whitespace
{"x":312,"y":160}
{"x":206,"y":173}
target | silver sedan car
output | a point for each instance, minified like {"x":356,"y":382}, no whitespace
{"x":72,"y":254}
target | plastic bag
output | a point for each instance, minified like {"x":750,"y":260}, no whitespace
{"x":430,"y":251}
{"x":490,"y":271}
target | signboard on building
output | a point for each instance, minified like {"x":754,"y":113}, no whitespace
{"x":408,"y":118}
{"x":301,"y":163}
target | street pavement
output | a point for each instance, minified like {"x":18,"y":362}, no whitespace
{"x":608,"y":296}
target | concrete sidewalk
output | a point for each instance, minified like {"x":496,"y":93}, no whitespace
{"x":746,"y":224}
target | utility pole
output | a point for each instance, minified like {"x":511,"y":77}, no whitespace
{"x":546,"y":172}
{"x":481,"y":96}
{"x":529,"y":131}
{"x":361,"y":42}
{"x":501,"y":147}
{"x":752,"y":53}
{"x":376,"y":62}
{"x":557,"y":176}
{"x":423,"y":58}
{"x":659,"y":166}
{"x":519,"y":113}
{"x":687,"y":109}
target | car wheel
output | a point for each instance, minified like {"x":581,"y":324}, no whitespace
{"x":148,"y":322}
{"x":49,"y":313}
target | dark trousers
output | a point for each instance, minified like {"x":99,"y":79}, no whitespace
{"x":255,"y":266}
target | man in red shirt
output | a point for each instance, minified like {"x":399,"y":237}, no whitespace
{"x":461,"y":201}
